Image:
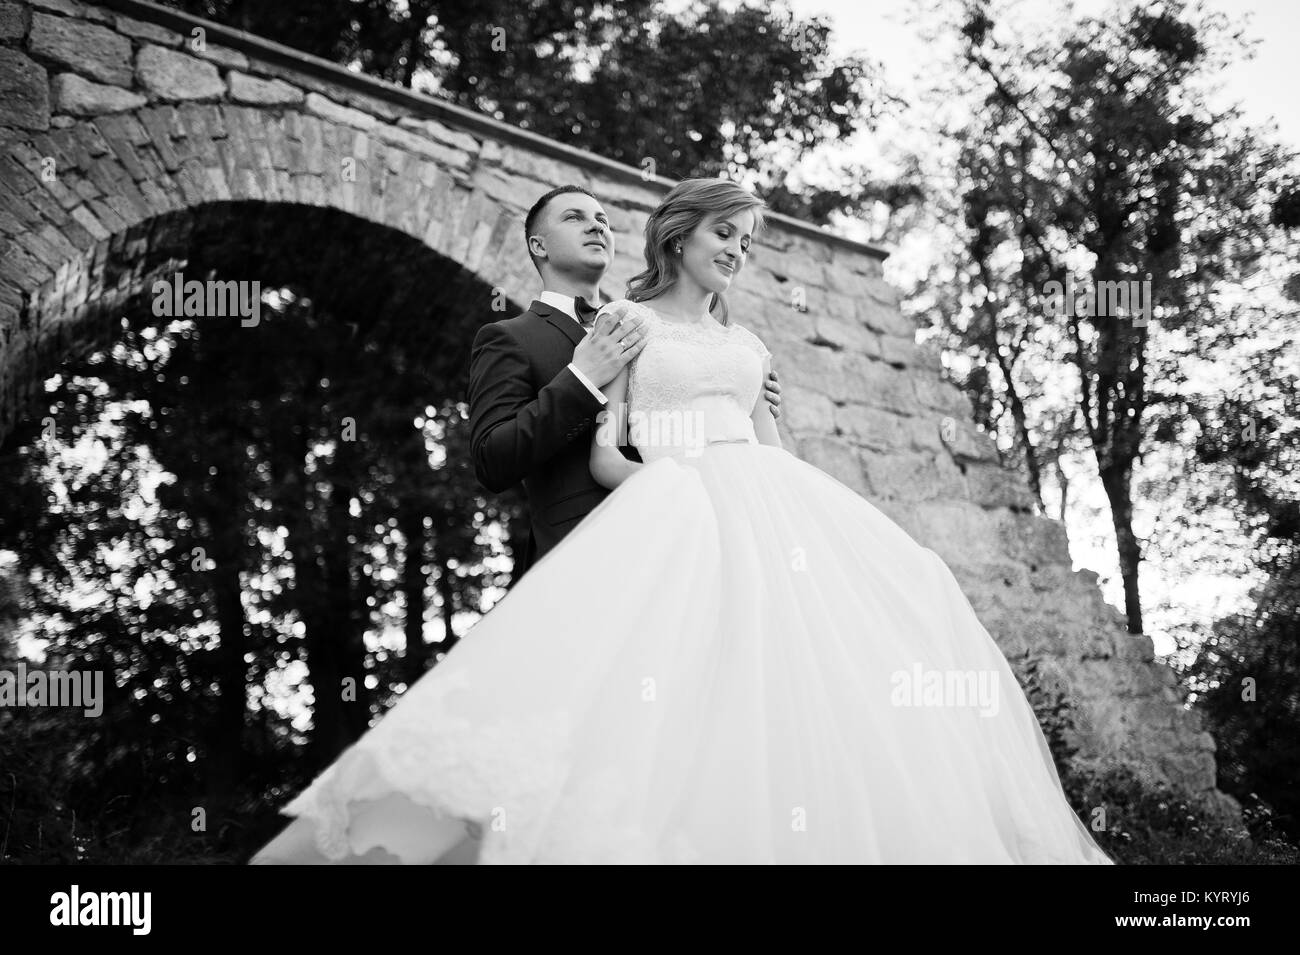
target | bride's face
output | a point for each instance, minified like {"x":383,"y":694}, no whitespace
{"x":717,"y":250}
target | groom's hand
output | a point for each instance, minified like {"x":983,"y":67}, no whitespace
{"x":615,"y":340}
{"x":772,"y":391}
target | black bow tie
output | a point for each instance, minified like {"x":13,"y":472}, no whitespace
{"x":585,"y":311}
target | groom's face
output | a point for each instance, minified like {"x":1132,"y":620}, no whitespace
{"x":574,"y":235}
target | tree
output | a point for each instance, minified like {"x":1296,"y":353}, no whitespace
{"x":1246,"y":671}
{"x":1094,"y":162}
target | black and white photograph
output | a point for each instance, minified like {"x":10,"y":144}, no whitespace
{"x":651,"y":432}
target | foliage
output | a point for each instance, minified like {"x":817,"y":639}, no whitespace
{"x":1152,"y":823}
{"x":1245,"y":672}
{"x":1148,"y":822}
{"x":1050,"y":705}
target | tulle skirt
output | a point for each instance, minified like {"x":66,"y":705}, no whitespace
{"x":734,"y":659}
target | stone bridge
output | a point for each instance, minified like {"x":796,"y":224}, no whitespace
{"x":135,"y":140}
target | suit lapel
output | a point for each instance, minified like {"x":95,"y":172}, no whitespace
{"x":569,"y":328}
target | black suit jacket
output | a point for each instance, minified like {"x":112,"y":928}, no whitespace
{"x":531,"y":421}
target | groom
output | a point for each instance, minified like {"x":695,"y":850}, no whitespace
{"x":535,"y":379}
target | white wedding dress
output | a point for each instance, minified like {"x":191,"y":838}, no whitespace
{"x":733,"y":659}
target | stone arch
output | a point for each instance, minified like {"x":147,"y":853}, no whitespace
{"x":105,"y":198}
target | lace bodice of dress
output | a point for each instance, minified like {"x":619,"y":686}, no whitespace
{"x":692,"y":385}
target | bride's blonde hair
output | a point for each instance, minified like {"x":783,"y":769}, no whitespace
{"x":689,"y":203}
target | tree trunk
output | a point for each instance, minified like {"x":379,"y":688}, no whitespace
{"x":1115,"y":480}
{"x":220,"y":508}
{"x":1063,"y":482}
{"x":226,"y":756}
{"x":329,"y":735}
{"x":1022,"y":425}
{"x":343,"y":628}
{"x":448,"y":595}
{"x":414,"y":581}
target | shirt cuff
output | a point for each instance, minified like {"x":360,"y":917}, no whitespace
{"x":600,"y":396}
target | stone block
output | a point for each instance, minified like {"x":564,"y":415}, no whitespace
{"x":913,"y":476}
{"x":941,"y":395}
{"x":836,"y":457}
{"x":1031,"y":539}
{"x":72,"y":8}
{"x":514,"y":191}
{"x":250,"y":89}
{"x":878,"y":385}
{"x":899,"y":351}
{"x":78,"y":97}
{"x":964,"y":440}
{"x":149,"y":32}
{"x":846,"y":333}
{"x":532,"y":165}
{"x":171,"y":76}
{"x":13,"y":21}
{"x":419,"y":145}
{"x":24,"y":92}
{"x":959,"y":532}
{"x":220,"y":55}
{"x":90,"y":222}
{"x":440,"y":133}
{"x":804,"y":410}
{"x":161,"y":124}
{"x":86,"y":48}
{"x":337,"y":113}
{"x":991,"y":485}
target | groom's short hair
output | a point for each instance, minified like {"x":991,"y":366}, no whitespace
{"x":539,"y":207}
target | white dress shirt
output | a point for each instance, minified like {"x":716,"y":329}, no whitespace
{"x":565,"y":304}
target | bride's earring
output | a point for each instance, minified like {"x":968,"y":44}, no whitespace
{"x":678,"y":248}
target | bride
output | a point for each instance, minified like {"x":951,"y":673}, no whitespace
{"x":733,"y":659}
